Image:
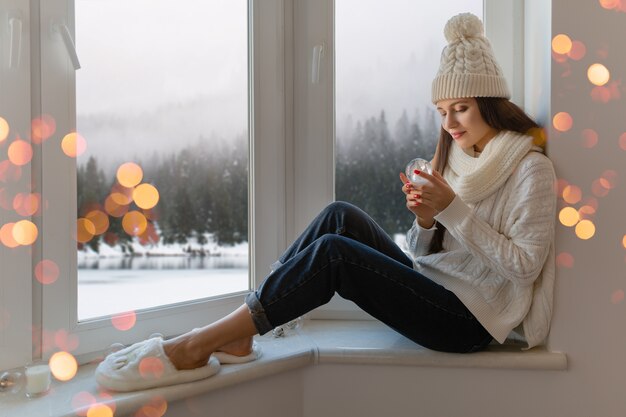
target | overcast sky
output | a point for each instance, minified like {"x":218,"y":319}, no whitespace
{"x":170,"y":71}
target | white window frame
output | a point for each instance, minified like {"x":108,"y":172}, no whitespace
{"x":315,"y":125}
{"x":54,"y":306}
{"x":292,"y":125}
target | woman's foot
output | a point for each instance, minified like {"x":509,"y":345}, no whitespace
{"x":185,"y":352}
{"x":240,"y":347}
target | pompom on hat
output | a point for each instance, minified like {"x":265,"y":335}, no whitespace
{"x":468,"y":67}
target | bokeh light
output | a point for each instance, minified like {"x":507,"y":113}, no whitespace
{"x":47,"y":271}
{"x":590,"y":138}
{"x":598,"y":187}
{"x":100,"y":410}
{"x":562,"y":121}
{"x":572,"y":194}
{"x":65,"y":341}
{"x":73,"y":145}
{"x":622,"y":141}
{"x":82,"y":401}
{"x":42,"y":128}
{"x":586,"y":212}
{"x":151,"y":367}
{"x":4,"y":129}
{"x":6,"y":236}
{"x":609,"y":179}
{"x":624,"y":241}
{"x":114,"y":209}
{"x":564,"y":260}
{"x":25,"y":232}
{"x":20,"y":152}
{"x":146,"y":196}
{"x":598,"y":74}
{"x":609,"y":4}
{"x":85,"y":230}
{"x":578,"y":51}
{"x":124,"y":321}
{"x":585,"y":229}
{"x":561,"y":44}
{"x":568,"y":216}
{"x":26,"y":204}
{"x":9,"y":172}
{"x":100,"y":221}
{"x":129,"y":174}
{"x":538,"y":135}
{"x":617,"y":296}
{"x":156,"y":407}
{"x":63,"y":366}
{"x":601,"y":94}
{"x":134,"y":223}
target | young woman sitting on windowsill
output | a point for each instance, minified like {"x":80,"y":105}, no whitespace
{"x":481,"y":247}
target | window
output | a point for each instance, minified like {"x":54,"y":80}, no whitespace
{"x":290,"y":119}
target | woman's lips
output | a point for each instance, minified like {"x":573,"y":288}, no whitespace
{"x":457,"y":135}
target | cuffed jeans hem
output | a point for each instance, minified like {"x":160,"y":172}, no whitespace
{"x":257,"y":312}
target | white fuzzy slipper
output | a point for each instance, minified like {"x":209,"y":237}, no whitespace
{"x":227,"y":358}
{"x":145,"y":365}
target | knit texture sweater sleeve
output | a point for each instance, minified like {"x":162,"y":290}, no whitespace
{"x":516,"y":249}
{"x":418,"y":239}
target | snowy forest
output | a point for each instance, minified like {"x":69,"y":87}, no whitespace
{"x":203,"y":189}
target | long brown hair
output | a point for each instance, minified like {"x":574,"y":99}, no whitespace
{"x":499,"y":113}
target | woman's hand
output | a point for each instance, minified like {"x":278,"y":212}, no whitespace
{"x":436,"y":193}
{"x":425,"y":214}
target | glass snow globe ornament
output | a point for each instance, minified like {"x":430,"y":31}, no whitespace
{"x":412,"y":168}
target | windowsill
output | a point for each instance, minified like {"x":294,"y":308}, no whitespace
{"x":319,"y":342}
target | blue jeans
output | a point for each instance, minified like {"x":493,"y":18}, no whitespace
{"x":344,"y":251}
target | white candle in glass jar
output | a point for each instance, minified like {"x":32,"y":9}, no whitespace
{"x":37,"y":379}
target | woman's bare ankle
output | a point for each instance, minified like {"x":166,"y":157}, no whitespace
{"x":239,"y":347}
{"x":185,"y":353}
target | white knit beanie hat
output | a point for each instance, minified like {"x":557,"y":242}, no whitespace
{"x":468,"y":67}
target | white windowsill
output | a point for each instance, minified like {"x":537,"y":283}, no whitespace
{"x":320,"y":341}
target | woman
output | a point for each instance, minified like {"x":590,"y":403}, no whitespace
{"x":481,"y":247}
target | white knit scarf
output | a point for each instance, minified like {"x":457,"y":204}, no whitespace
{"x":474,"y":179}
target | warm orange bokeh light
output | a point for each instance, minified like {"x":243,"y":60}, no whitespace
{"x":129,"y":174}
{"x":561,"y":44}
{"x":121,"y":198}
{"x":590,"y":138}
{"x":46,"y":271}
{"x":157,"y":407}
{"x":4,"y":129}
{"x":73,"y":145}
{"x":598,"y":74}
{"x":564,"y":260}
{"x":609,"y":4}
{"x":82,"y":401}
{"x":538,"y":135}
{"x":624,"y":241}
{"x":578,"y":51}
{"x":6,"y":236}
{"x":63,"y":366}
{"x":25,"y":232}
{"x":585,"y":229}
{"x":617,"y":296}
{"x":26,"y":204}
{"x":100,"y":221}
{"x":42,"y":128}
{"x":9,"y":172}
{"x":124,"y":321}
{"x":572,"y":194}
{"x":146,"y":196}
{"x":20,"y":152}
{"x":99,"y":410}
{"x":562,"y":121}
{"x":599,"y":189}
{"x":151,"y":368}
{"x":134,"y":223}
{"x":586,"y":212}
{"x":568,"y":216}
{"x":114,"y":209}
{"x":85,"y":230}
{"x":609,"y":179}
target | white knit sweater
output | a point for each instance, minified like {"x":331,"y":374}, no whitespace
{"x":498,"y":250}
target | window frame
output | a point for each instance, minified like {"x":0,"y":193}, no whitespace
{"x":291,"y":123}
{"x":58,"y":301}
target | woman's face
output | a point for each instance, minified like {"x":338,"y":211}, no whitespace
{"x":461,"y":118}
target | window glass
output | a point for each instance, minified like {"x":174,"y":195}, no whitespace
{"x":387,"y":54}
{"x":162,"y":111}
